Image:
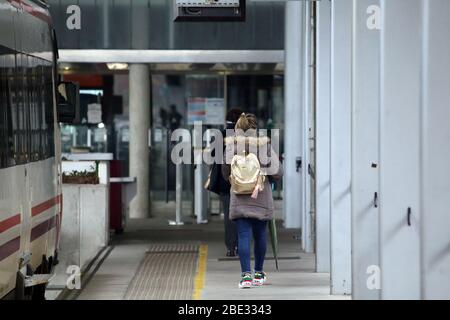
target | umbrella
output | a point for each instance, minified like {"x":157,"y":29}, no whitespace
{"x":274,"y":237}
{"x":274,"y":240}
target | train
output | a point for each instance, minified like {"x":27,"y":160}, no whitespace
{"x":32,"y":103}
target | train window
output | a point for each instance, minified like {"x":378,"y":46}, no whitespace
{"x":40,"y":85}
{"x":26,"y":109}
{"x":13,"y":107}
{"x":6,"y":141}
{"x":49,"y":116}
{"x":20,"y":131}
{"x":30,"y":108}
{"x":35,"y":130}
{"x":3,"y":116}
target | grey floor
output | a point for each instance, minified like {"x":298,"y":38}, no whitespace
{"x":295,"y":278}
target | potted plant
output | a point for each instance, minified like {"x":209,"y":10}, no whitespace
{"x":82,"y":177}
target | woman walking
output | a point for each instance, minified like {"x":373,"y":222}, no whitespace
{"x":252,"y":210}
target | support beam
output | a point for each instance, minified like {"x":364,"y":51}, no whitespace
{"x":365,"y":147}
{"x":170,"y":56}
{"x":340,"y":207}
{"x":293,"y":145}
{"x":435,"y":178}
{"x":401,"y":46}
{"x":322,"y":192}
{"x":139,"y":128}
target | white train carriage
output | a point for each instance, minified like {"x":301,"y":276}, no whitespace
{"x":30,"y":185}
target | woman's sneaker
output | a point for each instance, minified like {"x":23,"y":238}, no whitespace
{"x":246,"y":281}
{"x":259,"y":279}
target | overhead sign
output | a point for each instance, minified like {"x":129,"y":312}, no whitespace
{"x":209,"y":10}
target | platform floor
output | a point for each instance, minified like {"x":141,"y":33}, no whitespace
{"x":295,"y":279}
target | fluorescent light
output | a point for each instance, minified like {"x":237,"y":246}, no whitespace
{"x":117,"y":66}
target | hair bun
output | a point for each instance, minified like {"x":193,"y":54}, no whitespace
{"x":246,"y":121}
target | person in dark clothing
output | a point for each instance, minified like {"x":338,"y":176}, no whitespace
{"x":174,"y":117}
{"x":163,"y":115}
{"x":222,"y":187}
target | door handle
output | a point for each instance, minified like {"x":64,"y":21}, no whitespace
{"x":311,"y":172}
{"x":298,"y":164}
{"x":408,"y":216}
{"x":375,"y":199}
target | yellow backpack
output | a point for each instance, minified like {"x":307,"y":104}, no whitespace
{"x":246,"y":176}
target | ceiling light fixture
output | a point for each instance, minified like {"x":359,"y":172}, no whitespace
{"x":117,"y":66}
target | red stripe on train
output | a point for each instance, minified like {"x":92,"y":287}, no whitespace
{"x":36,"y":12}
{"x":44,"y":206}
{"x":9,"y":248}
{"x":43,"y":228}
{"x":13,"y":245}
{"x":58,"y":221}
{"x":9,"y":223}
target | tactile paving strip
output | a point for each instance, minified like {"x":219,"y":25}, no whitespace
{"x":167,"y":272}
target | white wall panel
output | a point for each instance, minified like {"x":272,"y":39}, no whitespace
{"x":435,"y":182}
{"x":341,"y":32}
{"x":399,"y":148}
{"x":293,"y":139}
{"x":307,"y":234}
{"x":322,"y":192}
{"x":365,"y":144}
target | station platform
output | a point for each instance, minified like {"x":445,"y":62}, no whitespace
{"x":154,"y":261}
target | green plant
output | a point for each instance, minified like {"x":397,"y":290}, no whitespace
{"x":84,"y":173}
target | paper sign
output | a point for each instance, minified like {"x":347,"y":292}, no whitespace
{"x":158,"y":135}
{"x":94,"y":113}
{"x":196,"y":110}
{"x":215,"y":111}
{"x":206,"y":110}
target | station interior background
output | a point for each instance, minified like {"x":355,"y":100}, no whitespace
{"x":148,"y":25}
{"x":258,"y":92}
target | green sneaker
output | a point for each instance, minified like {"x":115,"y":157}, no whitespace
{"x":259,"y":279}
{"x":246,"y":281}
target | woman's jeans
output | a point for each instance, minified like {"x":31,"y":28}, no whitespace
{"x":245,"y":228}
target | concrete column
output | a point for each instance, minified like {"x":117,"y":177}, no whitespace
{"x":365,"y":146}
{"x":139,"y":127}
{"x":435,"y":169}
{"x":400,"y":118}
{"x":340,"y":141}
{"x":322,"y":192}
{"x":293,"y":123}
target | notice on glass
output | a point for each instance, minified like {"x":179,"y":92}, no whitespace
{"x":94,"y":113}
{"x":215,"y":111}
{"x":210,"y":111}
